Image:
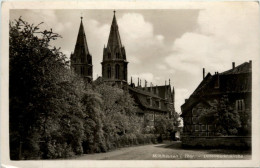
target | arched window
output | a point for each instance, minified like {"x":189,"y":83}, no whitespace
{"x":89,"y":71}
{"x":117,"y":55}
{"x":108,"y":71}
{"x":124,"y":74}
{"x":82,"y":70}
{"x":117,"y":71}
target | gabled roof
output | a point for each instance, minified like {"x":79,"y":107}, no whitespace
{"x":235,"y":80}
{"x":243,"y":68}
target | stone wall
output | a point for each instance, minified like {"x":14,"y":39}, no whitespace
{"x":216,"y":142}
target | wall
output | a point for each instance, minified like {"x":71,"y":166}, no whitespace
{"x":217,"y":142}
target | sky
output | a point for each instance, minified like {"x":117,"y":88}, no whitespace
{"x":162,"y":44}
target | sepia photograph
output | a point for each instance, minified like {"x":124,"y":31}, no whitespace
{"x":130,"y":83}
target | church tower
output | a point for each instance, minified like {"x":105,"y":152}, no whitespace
{"x":114,"y":65}
{"x":81,"y":60}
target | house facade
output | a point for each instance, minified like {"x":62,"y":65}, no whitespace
{"x":235,"y":85}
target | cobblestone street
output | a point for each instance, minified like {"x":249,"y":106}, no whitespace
{"x":169,"y":151}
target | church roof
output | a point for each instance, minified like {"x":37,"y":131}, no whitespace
{"x":142,"y":98}
{"x":81,"y":43}
{"x":114,"y":40}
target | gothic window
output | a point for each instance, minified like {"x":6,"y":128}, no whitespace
{"x":108,"y":71}
{"x":117,"y":71}
{"x":82,"y":70}
{"x":124,"y":74}
{"x":109,"y":55}
{"x":117,"y":55}
{"x":89,"y":71}
{"x":240,"y":105}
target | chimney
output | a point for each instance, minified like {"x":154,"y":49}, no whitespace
{"x":138,"y":83}
{"x":203,"y":73}
{"x":169,"y":81}
{"x":131,"y":80}
{"x":145,"y":84}
{"x":233,"y":65}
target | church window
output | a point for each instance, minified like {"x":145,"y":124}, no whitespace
{"x":117,"y":55}
{"x":124,"y":74}
{"x":82,"y":70}
{"x":89,"y":71}
{"x":108,"y":71}
{"x":117,"y":71}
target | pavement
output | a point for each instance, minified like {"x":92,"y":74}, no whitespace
{"x":168,"y":150}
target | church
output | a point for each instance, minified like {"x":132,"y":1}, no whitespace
{"x":152,"y":101}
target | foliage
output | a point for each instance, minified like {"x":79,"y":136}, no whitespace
{"x":165,"y":126}
{"x":223,"y":116}
{"x":44,"y":95}
{"x":54,"y":113}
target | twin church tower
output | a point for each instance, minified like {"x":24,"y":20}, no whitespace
{"x":114,"y":65}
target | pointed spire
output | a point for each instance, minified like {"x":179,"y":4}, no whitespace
{"x":81,"y":43}
{"x":114,"y":40}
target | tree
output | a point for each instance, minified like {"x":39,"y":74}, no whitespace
{"x":164,"y":126}
{"x":45,"y":116}
{"x":223,"y":116}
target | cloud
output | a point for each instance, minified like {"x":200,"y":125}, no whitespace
{"x":138,"y":36}
{"x":218,"y":40}
{"x":149,"y":77}
{"x":161,"y":66}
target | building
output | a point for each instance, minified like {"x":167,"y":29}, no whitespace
{"x":235,"y":84}
{"x":152,"y":101}
{"x":114,"y":64}
{"x":81,"y":59}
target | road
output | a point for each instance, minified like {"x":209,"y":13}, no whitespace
{"x":166,"y":151}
